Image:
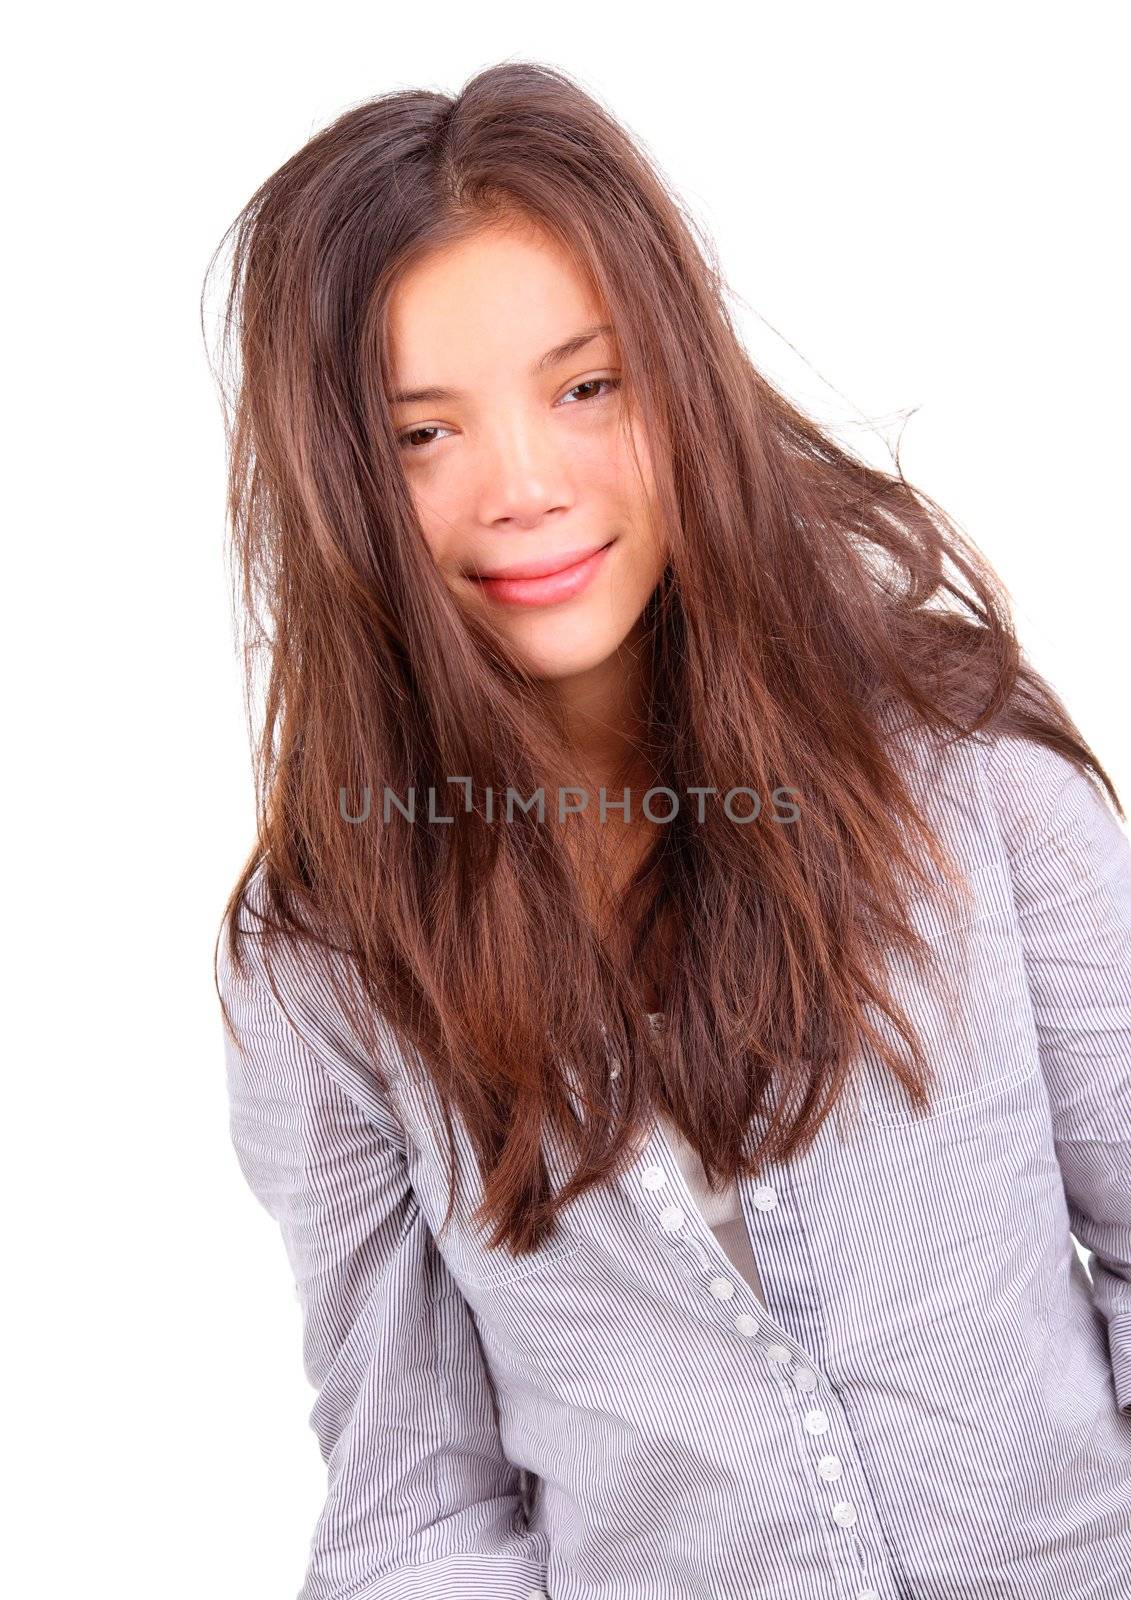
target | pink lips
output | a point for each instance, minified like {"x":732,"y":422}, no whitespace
{"x":533,"y":588}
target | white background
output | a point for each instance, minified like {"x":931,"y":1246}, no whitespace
{"x":918,"y":210}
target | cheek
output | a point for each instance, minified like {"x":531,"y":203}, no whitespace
{"x":634,"y":577}
{"x":435,"y":528}
{"x":636,"y":489}
{"x":638,"y":456}
{"x":444,"y":504}
{"x":647,"y":567}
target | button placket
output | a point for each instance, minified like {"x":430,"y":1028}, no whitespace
{"x":867,"y":1590}
{"x":722,"y":1284}
{"x":840,"y":1510}
{"x":829,"y":1468}
{"x":712,"y":1258}
{"x":673,"y":1220}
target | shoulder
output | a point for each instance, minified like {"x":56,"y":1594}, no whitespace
{"x":1040,"y":792}
{"x":243,"y":966}
{"x":286,"y":1003}
{"x":995,"y":796}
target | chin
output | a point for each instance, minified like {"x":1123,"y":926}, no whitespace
{"x":561,"y":671}
{"x":562,"y":659}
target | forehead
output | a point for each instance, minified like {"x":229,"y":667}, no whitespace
{"x":499,"y":297}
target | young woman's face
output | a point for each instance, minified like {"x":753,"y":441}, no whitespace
{"x":520,"y":456}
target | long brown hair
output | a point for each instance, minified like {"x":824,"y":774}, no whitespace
{"x":807,"y":595}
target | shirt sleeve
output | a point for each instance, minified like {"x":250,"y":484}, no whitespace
{"x":421,"y":1500}
{"x":1070,"y":861}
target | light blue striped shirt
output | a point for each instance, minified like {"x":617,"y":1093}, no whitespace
{"x":930,"y":1400}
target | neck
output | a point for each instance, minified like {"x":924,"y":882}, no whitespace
{"x":603,"y":712}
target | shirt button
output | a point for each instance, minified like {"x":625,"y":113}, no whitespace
{"x":764,"y":1198}
{"x":671,"y":1219}
{"x":829,"y":1468}
{"x":868,"y":1594}
{"x":844,"y":1513}
{"x":806,"y":1380}
{"x":746,"y":1324}
{"x":816,"y":1422}
{"x":722,"y":1288}
{"x":653,"y":1177}
{"x":537,"y":1594}
{"x":614,"y":1070}
{"x":777,"y":1353}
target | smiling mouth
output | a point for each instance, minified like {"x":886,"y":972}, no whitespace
{"x":547,"y":588}
{"x":548,"y":567}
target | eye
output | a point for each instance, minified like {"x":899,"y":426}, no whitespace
{"x":593,"y":383}
{"x":408,"y":440}
{"x":404,"y":439}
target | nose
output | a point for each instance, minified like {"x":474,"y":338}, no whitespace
{"x":523,"y":476}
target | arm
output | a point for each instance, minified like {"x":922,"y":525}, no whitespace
{"x":1071,"y":867}
{"x":421,"y":1499}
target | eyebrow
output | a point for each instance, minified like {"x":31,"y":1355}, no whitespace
{"x":552,"y":358}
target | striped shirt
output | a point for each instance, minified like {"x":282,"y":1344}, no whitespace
{"x":929,"y":1399}
{"x":721,"y":1209}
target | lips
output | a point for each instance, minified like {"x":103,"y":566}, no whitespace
{"x":552,"y":585}
{"x":544,"y":567}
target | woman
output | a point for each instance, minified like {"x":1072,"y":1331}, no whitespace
{"x":680,"y":1197}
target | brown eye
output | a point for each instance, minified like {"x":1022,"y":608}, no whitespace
{"x":594,"y":383}
{"x":405,"y":440}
